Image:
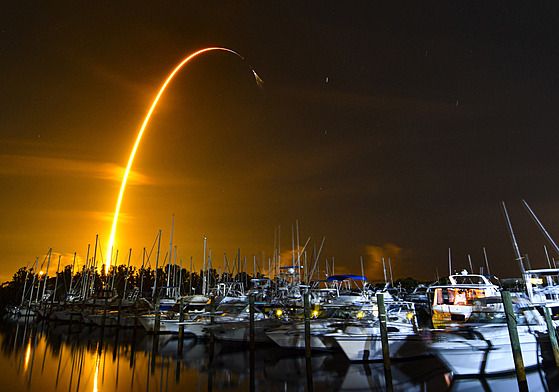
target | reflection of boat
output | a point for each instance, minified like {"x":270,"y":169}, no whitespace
{"x":535,"y":378}
{"x":454,"y":299}
{"x":370,"y":377}
{"x":483,"y":345}
{"x":240,"y":331}
{"x":425,"y":374}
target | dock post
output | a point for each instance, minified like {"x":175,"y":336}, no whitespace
{"x":181,"y":327}
{"x":119,"y":313}
{"x":384,"y":341}
{"x":212,"y":337}
{"x":514,"y":342}
{"x":252,"y":343}
{"x":306,"y":309}
{"x":251,"y":325}
{"x":104,"y":318}
{"x":552,"y":334}
{"x":157,"y":316}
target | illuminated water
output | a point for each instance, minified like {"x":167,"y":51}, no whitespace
{"x":49,"y":357}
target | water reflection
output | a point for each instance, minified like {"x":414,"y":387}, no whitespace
{"x":47,"y":357}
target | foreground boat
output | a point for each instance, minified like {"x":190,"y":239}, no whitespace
{"x":483,"y":347}
{"x":362,"y":341}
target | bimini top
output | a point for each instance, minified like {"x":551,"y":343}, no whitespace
{"x":344,"y":277}
{"x":545,"y":271}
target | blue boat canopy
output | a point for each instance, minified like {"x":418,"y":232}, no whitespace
{"x":344,"y":277}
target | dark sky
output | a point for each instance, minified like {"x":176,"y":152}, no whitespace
{"x":392,"y":129}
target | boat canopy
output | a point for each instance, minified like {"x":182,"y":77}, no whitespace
{"x":544,"y":271}
{"x":344,"y":277}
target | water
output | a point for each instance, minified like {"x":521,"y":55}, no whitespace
{"x":49,"y":357}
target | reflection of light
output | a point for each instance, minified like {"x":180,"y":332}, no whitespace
{"x":97,"y":360}
{"x":410,"y":316}
{"x":360,"y":315}
{"x":131,"y":159}
{"x":27,"y":355}
{"x":315,"y":314}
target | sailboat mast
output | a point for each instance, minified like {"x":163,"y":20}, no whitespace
{"x":56,"y":280}
{"x":127,"y":272}
{"x":25,"y":283}
{"x":204,"y":270}
{"x":170,"y":251}
{"x":46,"y":275}
{"x":543,"y":230}
{"x":72,"y":273}
{"x":156,"y":265}
{"x":33,"y":283}
{"x":513,"y":240}
{"x":486,"y":261}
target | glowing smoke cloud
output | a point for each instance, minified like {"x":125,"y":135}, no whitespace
{"x":131,"y":159}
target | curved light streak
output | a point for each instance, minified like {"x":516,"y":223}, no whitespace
{"x":146,"y":120}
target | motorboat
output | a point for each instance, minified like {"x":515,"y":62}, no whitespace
{"x":361,"y":341}
{"x":322,"y":322}
{"x":453,"y":300}
{"x":483,"y":347}
{"x":542,"y":286}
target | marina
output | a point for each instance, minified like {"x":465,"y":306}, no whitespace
{"x":281,"y":334}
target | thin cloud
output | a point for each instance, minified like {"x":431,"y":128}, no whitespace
{"x":22,"y":165}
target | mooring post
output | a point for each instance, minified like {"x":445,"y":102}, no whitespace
{"x":251,"y":300}
{"x":104,"y":318}
{"x":514,"y":342}
{"x":307,"y":311}
{"x":212,"y":337}
{"x":119,"y":312}
{"x":157,"y":316}
{"x":384,"y":341}
{"x":251,"y":330}
{"x":552,"y":334}
{"x":181,"y":326}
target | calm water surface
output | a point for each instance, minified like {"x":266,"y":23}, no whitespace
{"x":45,"y":356}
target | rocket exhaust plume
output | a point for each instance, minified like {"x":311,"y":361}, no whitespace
{"x":142,"y":129}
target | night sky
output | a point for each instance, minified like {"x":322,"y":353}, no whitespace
{"x":391,"y":129}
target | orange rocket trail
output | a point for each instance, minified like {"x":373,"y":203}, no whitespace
{"x":142,"y":129}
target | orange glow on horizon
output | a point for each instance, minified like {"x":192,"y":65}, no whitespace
{"x":146,"y":120}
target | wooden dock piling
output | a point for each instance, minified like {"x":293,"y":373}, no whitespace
{"x":384,"y":341}
{"x":515,"y":342}
{"x":552,"y":334}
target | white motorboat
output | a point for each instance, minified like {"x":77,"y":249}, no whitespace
{"x":542,"y":286}
{"x":454,"y":300}
{"x":322,"y":322}
{"x":362,"y":341}
{"x":482,"y":346}
{"x":227,"y":311}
